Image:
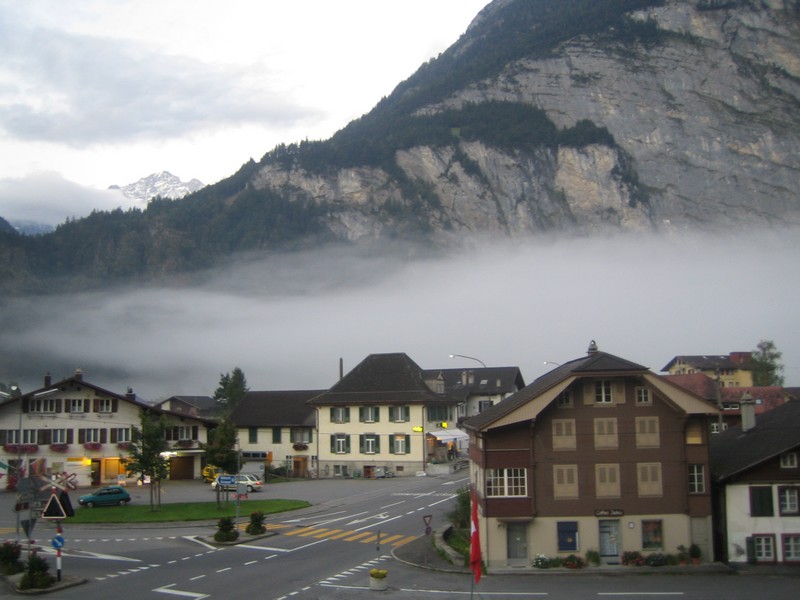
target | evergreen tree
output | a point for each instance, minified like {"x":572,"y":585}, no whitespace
{"x":232,"y":388}
{"x":221,"y":448}
{"x":767,"y":368}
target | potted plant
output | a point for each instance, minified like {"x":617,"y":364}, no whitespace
{"x":683,"y":555}
{"x":541,"y":562}
{"x":695,"y":554}
{"x":377,"y":579}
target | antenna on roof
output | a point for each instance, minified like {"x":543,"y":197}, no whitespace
{"x":592,"y":348}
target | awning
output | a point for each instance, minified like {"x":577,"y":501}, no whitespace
{"x":449,"y":435}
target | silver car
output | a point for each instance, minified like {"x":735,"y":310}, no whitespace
{"x":252,"y":482}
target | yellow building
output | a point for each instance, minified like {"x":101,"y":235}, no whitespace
{"x":733,"y":370}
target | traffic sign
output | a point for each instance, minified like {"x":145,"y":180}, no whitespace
{"x":226,"y":479}
{"x":58,"y":541}
{"x":54,"y":510}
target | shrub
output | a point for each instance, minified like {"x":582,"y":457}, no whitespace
{"x":632,"y":558}
{"x":573,"y":562}
{"x":556,"y":562}
{"x":694,"y":551}
{"x":9,"y":558}
{"x":256,"y":525}
{"x":226,"y":531}
{"x":36,"y":576}
{"x":671,"y":560}
{"x":541,"y":562}
{"x":460,"y":516}
{"x":655,"y":560}
{"x":593,"y":557}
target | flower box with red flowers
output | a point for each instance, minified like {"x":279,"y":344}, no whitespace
{"x":21,"y":448}
{"x":59,"y":447}
{"x":93,"y":445}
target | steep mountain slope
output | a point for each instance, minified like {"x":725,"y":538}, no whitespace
{"x":546,"y":116}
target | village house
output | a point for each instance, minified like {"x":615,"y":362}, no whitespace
{"x":732,"y":370}
{"x":756,"y":474}
{"x":377,"y":419}
{"x":598,"y":454}
{"x":73,"y":426}
{"x":277,"y":429}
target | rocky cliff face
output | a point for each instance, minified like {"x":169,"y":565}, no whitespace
{"x":707,"y":119}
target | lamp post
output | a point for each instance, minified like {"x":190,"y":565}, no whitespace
{"x":470,"y":358}
{"x":550,"y":362}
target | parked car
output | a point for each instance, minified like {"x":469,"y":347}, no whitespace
{"x":110,"y":495}
{"x":252,"y":482}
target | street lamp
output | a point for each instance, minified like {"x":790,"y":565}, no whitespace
{"x":550,"y":362}
{"x":469,"y":357}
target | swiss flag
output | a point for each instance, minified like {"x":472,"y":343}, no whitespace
{"x":475,"y":539}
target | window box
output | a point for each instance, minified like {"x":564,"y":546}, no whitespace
{"x":21,"y":448}
{"x":300,"y":446}
{"x":184,"y":444}
{"x":92,"y":445}
{"x":59,"y":447}
{"x":124,"y":445}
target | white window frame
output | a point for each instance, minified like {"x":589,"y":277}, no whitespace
{"x":340,"y":440}
{"x":789,"y":500}
{"x":789,"y":460}
{"x":29,"y":436}
{"x":643,"y":397}
{"x":59,"y":436}
{"x":399,"y":444}
{"x":764,"y":547}
{"x":603,"y":393}
{"x":697,"y":479}
{"x":507,"y":483}
{"x":76,"y":405}
{"x":565,"y":400}
{"x":105,"y":405}
{"x":91,"y":435}
{"x":123,"y":435}
{"x":371,"y":414}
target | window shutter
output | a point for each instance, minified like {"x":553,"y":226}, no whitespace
{"x":103,"y":436}
{"x":406,"y":413}
{"x":67,"y":405}
{"x":361,"y":443}
{"x":347,"y":415}
{"x":377,"y":444}
{"x":115,"y":405}
{"x":347,"y":443}
{"x":25,"y":405}
{"x":362,"y":416}
{"x":70,"y":436}
{"x":195,"y":432}
{"x":40,"y":436}
{"x":2,"y":437}
{"x":377,"y":414}
{"x":391,"y":444}
{"x":333,"y":444}
{"x":58,"y":404}
{"x":86,"y":404}
{"x":81,"y":436}
{"x":332,"y":417}
{"x":408,"y":444}
{"x":113,"y":436}
{"x":96,"y":405}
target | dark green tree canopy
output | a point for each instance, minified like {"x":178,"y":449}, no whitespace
{"x":221,"y":450}
{"x":232,"y":388}
{"x":767,"y":365}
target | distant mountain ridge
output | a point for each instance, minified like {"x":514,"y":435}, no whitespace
{"x":163,"y":184}
{"x":547,"y":117}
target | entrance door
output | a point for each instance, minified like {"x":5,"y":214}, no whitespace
{"x":300,"y":466}
{"x":609,"y":541}
{"x":96,"y":471}
{"x":517,"y":544}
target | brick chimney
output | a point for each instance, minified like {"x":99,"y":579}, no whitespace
{"x":130,"y":395}
{"x":78,"y":374}
{"x":747,"y":407}
{"x":48,"y":380}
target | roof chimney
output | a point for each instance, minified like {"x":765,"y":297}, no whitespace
{"x":79,"y":374}
{"x":130,"y":395}
{"x":48,"y":380}
{"x":592,"y":348}
{"x":748,"y":410}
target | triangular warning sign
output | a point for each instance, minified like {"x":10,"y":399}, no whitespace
{"x":53,"y":510}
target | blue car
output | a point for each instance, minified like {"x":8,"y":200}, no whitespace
{"x":111,"y":495}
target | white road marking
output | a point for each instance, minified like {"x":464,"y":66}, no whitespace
{"x":167,"y":590}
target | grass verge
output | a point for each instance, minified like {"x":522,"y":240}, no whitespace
{"x":181,"y":511}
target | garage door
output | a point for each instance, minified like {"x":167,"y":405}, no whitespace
{"x":181,"y":467}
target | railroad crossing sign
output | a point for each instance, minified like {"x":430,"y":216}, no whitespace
{"x":63,"y":481}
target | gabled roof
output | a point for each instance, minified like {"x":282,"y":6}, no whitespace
{"x":287,"y":408}
{"x":735,"y":451}
{"x":202,"y":406}
{"x":382,"y":379}
{"x":544,"y":389}
{"x":485,"y":381}
{"x":711,"y":362}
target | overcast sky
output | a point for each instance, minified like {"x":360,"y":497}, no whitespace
{"x":102,"y":92}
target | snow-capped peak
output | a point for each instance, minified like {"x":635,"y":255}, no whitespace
{"x":163,"y":184}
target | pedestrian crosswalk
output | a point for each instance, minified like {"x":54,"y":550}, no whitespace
{"x":364,"y":537}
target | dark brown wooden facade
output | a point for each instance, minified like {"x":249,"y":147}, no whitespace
{"x":603,"y":442}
